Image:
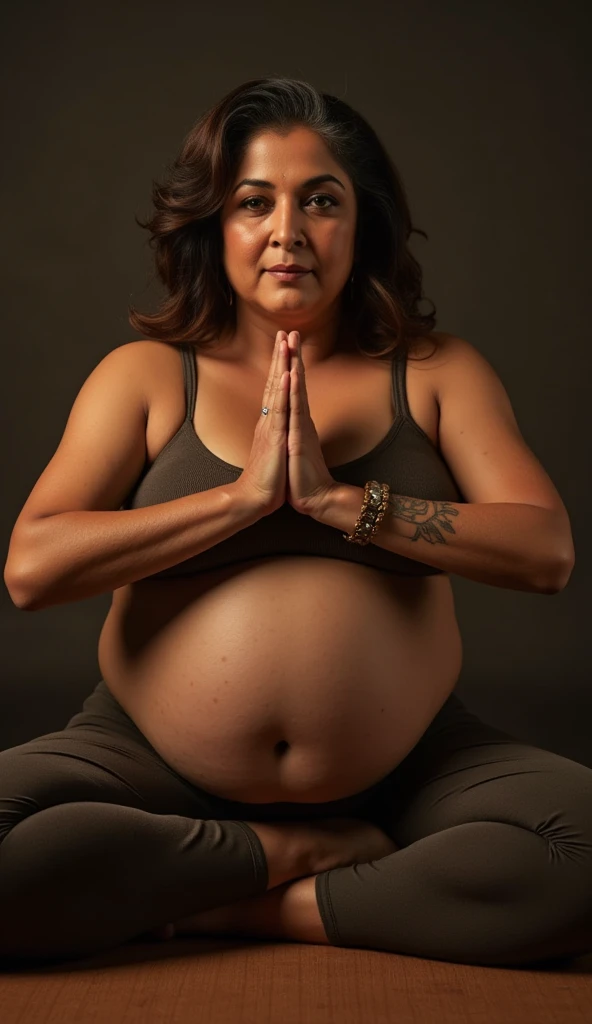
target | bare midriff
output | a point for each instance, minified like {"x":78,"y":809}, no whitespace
{"x":299,"y":679}
{"x":285,"y":679}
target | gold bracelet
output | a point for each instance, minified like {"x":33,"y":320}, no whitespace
{"x":374,"y":506}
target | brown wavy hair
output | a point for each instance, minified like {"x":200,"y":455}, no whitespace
{"x":381,"y":309}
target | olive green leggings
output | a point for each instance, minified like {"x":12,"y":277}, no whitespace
{"x":101,"y":841}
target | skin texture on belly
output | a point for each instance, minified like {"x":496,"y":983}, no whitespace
{"x":285,"y":679}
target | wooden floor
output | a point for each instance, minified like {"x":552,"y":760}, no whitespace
{"x":228,"y":981}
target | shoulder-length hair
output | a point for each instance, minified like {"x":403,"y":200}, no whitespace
{"x":381,"y":308}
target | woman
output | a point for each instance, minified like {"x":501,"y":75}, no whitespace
{"x":276,"y":712}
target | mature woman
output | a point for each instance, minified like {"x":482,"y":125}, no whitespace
{"x":276,"y":483}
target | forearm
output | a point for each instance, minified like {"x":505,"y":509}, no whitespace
{"x":519,"y":547}
{"x":75,"y":555}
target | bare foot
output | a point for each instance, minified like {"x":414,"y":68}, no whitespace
{"x":343,"y":841}
{"x":337,"y":842}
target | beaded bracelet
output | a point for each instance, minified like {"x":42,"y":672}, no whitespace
{"x":374,"y":506}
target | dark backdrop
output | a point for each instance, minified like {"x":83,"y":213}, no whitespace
{"x":484,"y":107}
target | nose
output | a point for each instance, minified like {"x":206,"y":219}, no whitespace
{"x":286,"y":221}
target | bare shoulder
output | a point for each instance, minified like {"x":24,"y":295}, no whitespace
{"x":153,"y":354}
{"x":156,"y":362}
{"x":436,"y":349}
{"x":134,"y":364}
{"x":428,"y":355}
{"x":444,"y":357}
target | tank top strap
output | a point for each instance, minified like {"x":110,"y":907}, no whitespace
{"x":399,"y":369}
{"x":189,"y":377}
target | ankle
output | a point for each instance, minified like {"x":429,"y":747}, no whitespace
{"x":289,"y":850}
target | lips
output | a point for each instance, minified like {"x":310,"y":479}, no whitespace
{"x":288,"y":276}
{"x":290,"y":269}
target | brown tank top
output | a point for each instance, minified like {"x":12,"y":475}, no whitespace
{"x":406,"y":459}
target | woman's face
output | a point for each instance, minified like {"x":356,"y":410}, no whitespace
{"x":289,"y":221}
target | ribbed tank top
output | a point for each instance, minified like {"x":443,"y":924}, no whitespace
{"x":406,"y":458}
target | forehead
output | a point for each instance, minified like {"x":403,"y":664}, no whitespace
{"x":287,"y":156}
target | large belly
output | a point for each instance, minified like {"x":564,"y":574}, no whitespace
{"x":285,"y":679}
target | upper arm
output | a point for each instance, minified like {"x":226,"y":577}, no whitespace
{"x":480,"y":438}
{"x":103,"y":447}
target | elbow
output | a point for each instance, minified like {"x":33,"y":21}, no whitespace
{"x":18,"y":598}
{"x":22,"y":594}
{"x":556,"y":577}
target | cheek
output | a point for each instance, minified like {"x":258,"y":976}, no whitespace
{"x":338,"y":243}
{"x":239,"y":245}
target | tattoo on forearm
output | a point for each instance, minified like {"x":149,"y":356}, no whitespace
{"x":432,"y":514}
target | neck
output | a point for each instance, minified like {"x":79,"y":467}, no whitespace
{"x":253,"y":340}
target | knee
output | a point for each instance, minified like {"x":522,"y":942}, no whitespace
{"x":535,"y":894}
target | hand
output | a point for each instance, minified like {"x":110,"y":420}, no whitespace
{"x":309,"y":480}
{"x":263,"y":481}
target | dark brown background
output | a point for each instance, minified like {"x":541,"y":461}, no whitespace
{"x":484,"y":107}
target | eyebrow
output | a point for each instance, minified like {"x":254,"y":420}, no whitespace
{"x":317,"y":180}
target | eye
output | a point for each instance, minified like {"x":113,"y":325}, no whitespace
{"x":259,"y":199}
